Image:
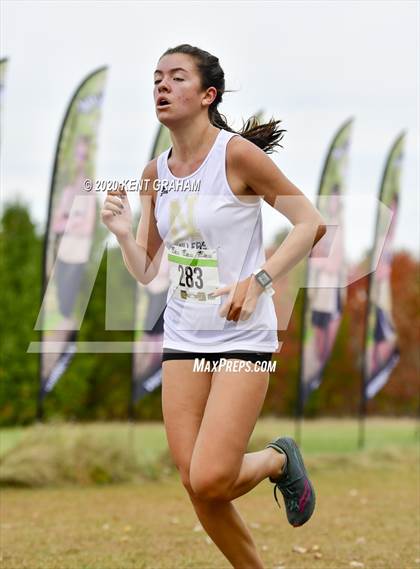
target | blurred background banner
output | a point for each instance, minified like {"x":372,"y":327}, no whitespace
{"x":381,"y":349}
{"x":326,"y":268}
{"x":150,"y":303}
{"x":72,"y":218}
{"x":3,"y":70}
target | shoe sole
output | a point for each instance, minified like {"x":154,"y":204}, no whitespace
{"x":300,"y":459}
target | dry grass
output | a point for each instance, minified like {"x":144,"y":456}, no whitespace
{"x":367,"y":512}
{"x":68,"y":454}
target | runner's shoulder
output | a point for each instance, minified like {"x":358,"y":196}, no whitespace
{"x":240,"y":149}
{"x":149,"y":173}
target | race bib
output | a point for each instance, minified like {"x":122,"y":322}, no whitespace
{"x":193,"y":274}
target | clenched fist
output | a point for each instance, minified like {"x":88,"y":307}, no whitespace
{"x":116,"y":212}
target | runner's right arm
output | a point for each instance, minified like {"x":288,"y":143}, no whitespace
{"x":142,"y":254}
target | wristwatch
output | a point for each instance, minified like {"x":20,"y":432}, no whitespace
{"x":264,"y":280}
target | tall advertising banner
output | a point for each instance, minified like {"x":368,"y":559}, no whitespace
{"x":72,"y":219}
{"x":150,"y":304}
{"x":3,"y":69}
{"x":326,"y":274}
{"x":382,"y":352}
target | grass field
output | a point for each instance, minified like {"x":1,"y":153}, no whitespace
{"x":367,"y":514}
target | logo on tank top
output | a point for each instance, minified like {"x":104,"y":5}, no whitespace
{"x":165,"y":186}
{"x":193,"y":267}
{"x":181,"y":219}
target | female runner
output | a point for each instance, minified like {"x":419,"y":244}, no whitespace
{"x":205,"y":214}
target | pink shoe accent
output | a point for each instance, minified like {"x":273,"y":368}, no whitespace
{"x":305,"y":496}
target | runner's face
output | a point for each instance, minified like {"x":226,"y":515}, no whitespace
{"x":176,"y":78}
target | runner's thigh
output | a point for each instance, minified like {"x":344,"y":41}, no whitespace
{"x":232,"y":409}
{"x":184,"y":397}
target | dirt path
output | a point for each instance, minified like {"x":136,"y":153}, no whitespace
{"x":365,"y":515}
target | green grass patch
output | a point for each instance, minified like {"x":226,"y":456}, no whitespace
{"x":56,"y":454}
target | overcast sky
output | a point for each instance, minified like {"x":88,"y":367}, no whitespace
{"x":311,"y":64}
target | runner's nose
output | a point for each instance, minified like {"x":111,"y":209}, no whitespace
{"x":162,"y":86}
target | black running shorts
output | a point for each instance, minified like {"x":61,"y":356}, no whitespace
{"x":169,"y":354}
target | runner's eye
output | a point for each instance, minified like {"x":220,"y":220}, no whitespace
{"x":175,"y":78}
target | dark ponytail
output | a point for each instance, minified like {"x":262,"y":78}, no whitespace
{"x":266,"y":136}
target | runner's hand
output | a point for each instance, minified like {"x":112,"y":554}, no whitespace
{"x":242,"y":299}
{"x":116,"y":212}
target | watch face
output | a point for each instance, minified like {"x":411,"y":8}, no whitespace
{"x":264,"y":278}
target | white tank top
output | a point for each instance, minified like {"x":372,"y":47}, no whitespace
{"x":213,"y":239}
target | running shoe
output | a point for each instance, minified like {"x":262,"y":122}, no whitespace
{"x":293,"y":483}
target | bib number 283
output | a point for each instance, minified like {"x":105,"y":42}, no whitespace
{"x":193,"y":274}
